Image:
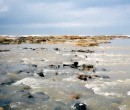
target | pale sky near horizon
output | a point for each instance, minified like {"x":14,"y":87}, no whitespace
{"x":64,"y":17}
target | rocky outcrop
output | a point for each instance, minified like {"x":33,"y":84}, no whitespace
{"x":87,"y":77}
{"x":74,"y":40}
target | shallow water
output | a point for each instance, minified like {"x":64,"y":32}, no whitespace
{"x":99,"y":93}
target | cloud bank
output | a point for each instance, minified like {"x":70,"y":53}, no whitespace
{"x":64,"y":17}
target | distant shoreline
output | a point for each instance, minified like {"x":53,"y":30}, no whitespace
{"x":83,"y":41}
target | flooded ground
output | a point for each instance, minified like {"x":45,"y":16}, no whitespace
{"x":44,"y":77}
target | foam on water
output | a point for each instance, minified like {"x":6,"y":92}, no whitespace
{"x":128,"y":93}
{"x":109,"y":88}
{"x":32,"y":82}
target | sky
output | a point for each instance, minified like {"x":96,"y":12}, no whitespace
{"x":64,"y":17}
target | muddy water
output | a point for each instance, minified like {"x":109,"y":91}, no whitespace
{"x":19,"y":79}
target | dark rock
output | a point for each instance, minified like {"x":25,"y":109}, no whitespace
{"x":81,"y":50}
{"x":33,"y":65}
{"x":33,"y":49}
{"x":105,"y":77}
{"x":95,"y":76}
{"x":75,"y":65}
{"x":87,"y":67}
{"x":85,"y":51}
{"x":41,"y":74}
{"x":30,"y":96}
{"x":83,"y":77}
{"x":54,"y":66}
{"x":56,"y":49}
{"x":66,"y":65}
{"x":58,"y":66}
{"x":94,"y":70}
{"x":80,"y":106}
{"x":51,"y":66}
{"x":4,"y":50}
{"x":104,"y":70}
{"x":86,"y":77}
{"x":25,"y":48}
{"x":56,"y":73}
{"x":20,"y":71}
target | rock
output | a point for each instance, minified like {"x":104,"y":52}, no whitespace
{"x":25,"y":48}
{"x":30,"y":96}
{"x":104,"y":70}
{"x":33,"y":65}
{"x":4,"y":50}
{"x":74,"y":96}
{"x":54,"y":66}
{"x":84,"y":51}
{"x":41,"y":74}
{"x":33,"y":49}
{"x":95,"y":76}
{"x":86,"y":77}
{"x":105,"y":77}
{"x":75,"y":65}
{"x":87,"y":67}
{"x":80,"y":106}
{"x":83,"y":77}
{"x":20,"y":71}
{"x":56,"y":49}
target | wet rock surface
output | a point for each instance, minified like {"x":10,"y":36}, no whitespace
{"x":80,"y":106}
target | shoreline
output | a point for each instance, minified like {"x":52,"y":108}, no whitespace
{"x":74,"y":40}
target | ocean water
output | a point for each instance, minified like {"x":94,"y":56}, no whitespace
{"x":112,"y":60}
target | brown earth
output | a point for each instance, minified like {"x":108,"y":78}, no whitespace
{"x":73,"y":40}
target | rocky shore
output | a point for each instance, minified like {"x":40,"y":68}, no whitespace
{"x":74,"y":40}
{"x":50,"y":73}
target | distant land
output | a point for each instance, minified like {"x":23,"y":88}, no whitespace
{"x":59,"y":39}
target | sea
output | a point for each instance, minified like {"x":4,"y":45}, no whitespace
{"x":111,"y":60}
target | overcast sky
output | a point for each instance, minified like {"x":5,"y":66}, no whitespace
{"x":61,"y":17}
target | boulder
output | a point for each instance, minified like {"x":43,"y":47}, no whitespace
{"x":41,"y":74}
{"x":80,"y":106}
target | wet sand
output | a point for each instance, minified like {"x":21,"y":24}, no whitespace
{"x":56,"y":76}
